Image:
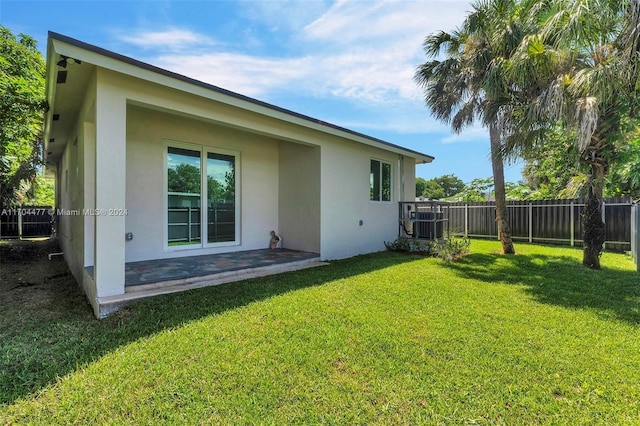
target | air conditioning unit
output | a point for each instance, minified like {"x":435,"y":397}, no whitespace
{"x":429,"y":225}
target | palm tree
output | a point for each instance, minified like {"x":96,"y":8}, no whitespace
{"x":581,"y":71}
{"x":470,"y":83}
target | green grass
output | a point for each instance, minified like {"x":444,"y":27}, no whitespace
{"x":379,"y":339}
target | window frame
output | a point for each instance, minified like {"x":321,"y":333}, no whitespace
{"x":203,"y":150}
{"x":381,"y":162}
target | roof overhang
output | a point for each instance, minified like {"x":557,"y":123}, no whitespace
{"x":85,"y":57}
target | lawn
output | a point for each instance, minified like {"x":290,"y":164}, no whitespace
{"x":379,"y":339}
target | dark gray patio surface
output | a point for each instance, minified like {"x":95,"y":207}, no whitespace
{"x":152,"y":271}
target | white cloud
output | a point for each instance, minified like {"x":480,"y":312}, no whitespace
{"x":376,"y":46}
{"x":362,"y":52}
{"x":284,"y":15}
{"x":472,"y":134}
{"x":169,"y":39}
{"x":357,"y":77}
{"x":350,"y":21}
{"x":244,"y":74}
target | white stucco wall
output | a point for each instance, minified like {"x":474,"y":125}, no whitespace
{"x":335,"y":170}
{"x":66,"y":232}
{"x":148,"y":133}
{"x":311,"y":187}
{"x":345,"y":200}
{"x":74,"y":190}
{"x":299,"y":197}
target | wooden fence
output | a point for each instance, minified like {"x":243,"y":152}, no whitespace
{"x":546,"y":221}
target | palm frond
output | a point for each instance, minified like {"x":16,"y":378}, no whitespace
{"x":586,"y":119}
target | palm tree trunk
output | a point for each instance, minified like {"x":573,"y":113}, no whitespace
{"x":504,"y":230}
{"x":594,"y":234}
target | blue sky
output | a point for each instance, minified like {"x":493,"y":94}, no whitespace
{"x":350,"y":63}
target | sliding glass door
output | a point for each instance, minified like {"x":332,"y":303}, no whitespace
{"x":221,"y":198}
{"x":184,"y":196}
{"x":197,"y":178}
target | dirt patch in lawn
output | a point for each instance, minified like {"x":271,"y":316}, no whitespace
{"x":45,"y":318}
{"x":31,"y":285}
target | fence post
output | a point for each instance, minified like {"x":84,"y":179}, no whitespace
{"x":634,"y":238}
{"x":635,"y":234}
{"x":604,"y":220}
{"x":466,"y":220}
{"x":573,"y":223}
{"x":530,"y":222}
{"x":20,"y":224}
{"x":189,"y":223}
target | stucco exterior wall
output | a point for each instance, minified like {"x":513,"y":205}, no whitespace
{"x":351,"y":223}
{"x":70,"y":218}
{"x":331,"y":175}
{"x":148,"y":134}
{"x":65,"y":231}
{"x":311,"y":187}
{"x":73,"y":189}
{"x":299,"y":197}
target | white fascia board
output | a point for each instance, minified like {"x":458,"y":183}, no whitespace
{"x":50,"y":91}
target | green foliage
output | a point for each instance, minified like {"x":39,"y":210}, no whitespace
{"x":421,"y":185}
{"x":581,"y":70}
{"x":184,"y":178}
{"x":476,"y":190}
{"x":624,"y":176}
{"x":433,"y":190}
{"x":222,"y":192}
{"x":451,"y":184}
{"x":553,"y":169}
{"x":230,"y":184}
{"x":42,"y":193}
{"x":552,"y":166}
{"x":439,"y":187}
{"x":22,"y":102}
{"x":452,"y":248}
{"x":447,"y":249}
{"x":411,"y":245}
{"x":517,"y":191}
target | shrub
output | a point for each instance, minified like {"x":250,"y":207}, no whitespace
{"x":448,"y":249}
{"x":410,"y":245}
{"x":453,"y":248}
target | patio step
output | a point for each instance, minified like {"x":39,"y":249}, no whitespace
{"x":112,"y":303}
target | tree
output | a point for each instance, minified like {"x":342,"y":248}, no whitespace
{"x":470,"y":83}
{"x":624,"y":175}
{"x":582,"y":71}
{"x":22,"y":102}
{"x":451,"y":184}
{"x":433,"y":190}
{"x":43,"y":193}
{"x":552,"y":167}
{"x":421,"y":185}
{"x":439,"y":187}
{"x":476,"y":190}
{"x":215,"y":190}
{"x":184,"y":178}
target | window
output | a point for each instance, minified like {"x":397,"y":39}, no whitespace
{"x":184,"y":196}
{"x":221,"y":198}
{"x":197,"y":178}
{"x":380,"y":181}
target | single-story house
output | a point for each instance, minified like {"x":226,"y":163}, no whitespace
{"x":138,"y":150}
